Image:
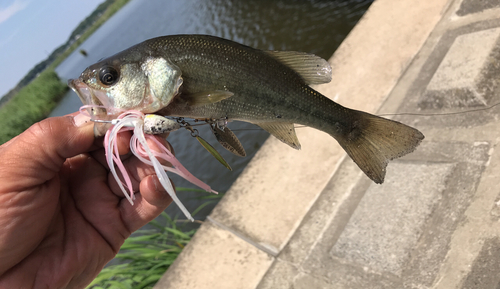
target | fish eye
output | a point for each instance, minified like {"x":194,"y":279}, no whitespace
{"x":108,"y":75}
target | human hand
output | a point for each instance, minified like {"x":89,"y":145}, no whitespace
{"x":62,"y":214}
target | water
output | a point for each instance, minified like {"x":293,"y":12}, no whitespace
{"x":314,"y":26}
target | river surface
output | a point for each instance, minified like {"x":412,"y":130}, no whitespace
{"x":314,"y":26}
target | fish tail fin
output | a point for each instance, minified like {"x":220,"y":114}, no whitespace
{"x":373,"y":141}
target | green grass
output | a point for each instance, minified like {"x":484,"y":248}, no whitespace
{"x":31,"y":104}
{"x":147,"y":254}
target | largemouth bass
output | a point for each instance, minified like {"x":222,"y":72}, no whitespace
{"x":206,"y":77}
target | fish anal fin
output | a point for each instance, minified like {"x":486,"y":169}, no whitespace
{"x":313,"y":69}
{"x":206,"y":97}
{"x":283,"y":131}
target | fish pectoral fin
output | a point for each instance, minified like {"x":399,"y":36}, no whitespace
{"x":206,"y":97}
{"x":312,"y":68}
{"x":283,"y":131}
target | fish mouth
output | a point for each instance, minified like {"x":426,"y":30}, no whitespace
{"x":96,"y":101}
{"x":88,"y":97}
{"x":82,"y":90}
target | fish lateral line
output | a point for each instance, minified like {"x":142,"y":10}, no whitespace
{"x":400,"y":114}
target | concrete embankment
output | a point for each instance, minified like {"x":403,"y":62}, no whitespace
{"x":311,"y":219}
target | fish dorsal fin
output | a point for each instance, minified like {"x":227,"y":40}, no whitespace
{"x":312,"y":68}
{"x":207,"y":97}
{"x":283,"y":131}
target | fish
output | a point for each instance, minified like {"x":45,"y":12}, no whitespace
{"x":207,"y":77}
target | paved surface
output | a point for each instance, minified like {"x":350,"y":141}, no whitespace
{"x":311,"y":219}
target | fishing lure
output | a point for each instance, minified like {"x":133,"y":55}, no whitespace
{"x":140,"y":123}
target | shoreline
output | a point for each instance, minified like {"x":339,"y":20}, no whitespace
{"x":19,"y":103}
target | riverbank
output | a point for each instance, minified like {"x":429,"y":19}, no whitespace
{"x":31,"y":104}
{"x":110,"y":11}
{"x":35,"y":101}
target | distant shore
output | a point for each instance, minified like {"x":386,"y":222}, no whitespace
{"x":34,"y":101}
{"x":110,"y":11}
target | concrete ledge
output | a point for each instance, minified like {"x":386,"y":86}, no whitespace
{"x":371,"y":60}
{"x":244,"y":265}
{"x":267,"y":203}
{"x":460,"y":78}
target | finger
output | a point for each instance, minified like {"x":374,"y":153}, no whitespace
{"x":137,"y":170}
{"x":152,"y":200}
{"x":124,"y":148}
{"x":30,"y":185}
{"x":90,"y":194}
{"x":38,"y":153}
{"x":123,"y":141}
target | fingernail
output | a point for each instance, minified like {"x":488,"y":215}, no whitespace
{"x":158,"y":186}
{"x":81,"y":120}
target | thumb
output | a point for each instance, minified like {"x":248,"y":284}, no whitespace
{"x":38,"y":153}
